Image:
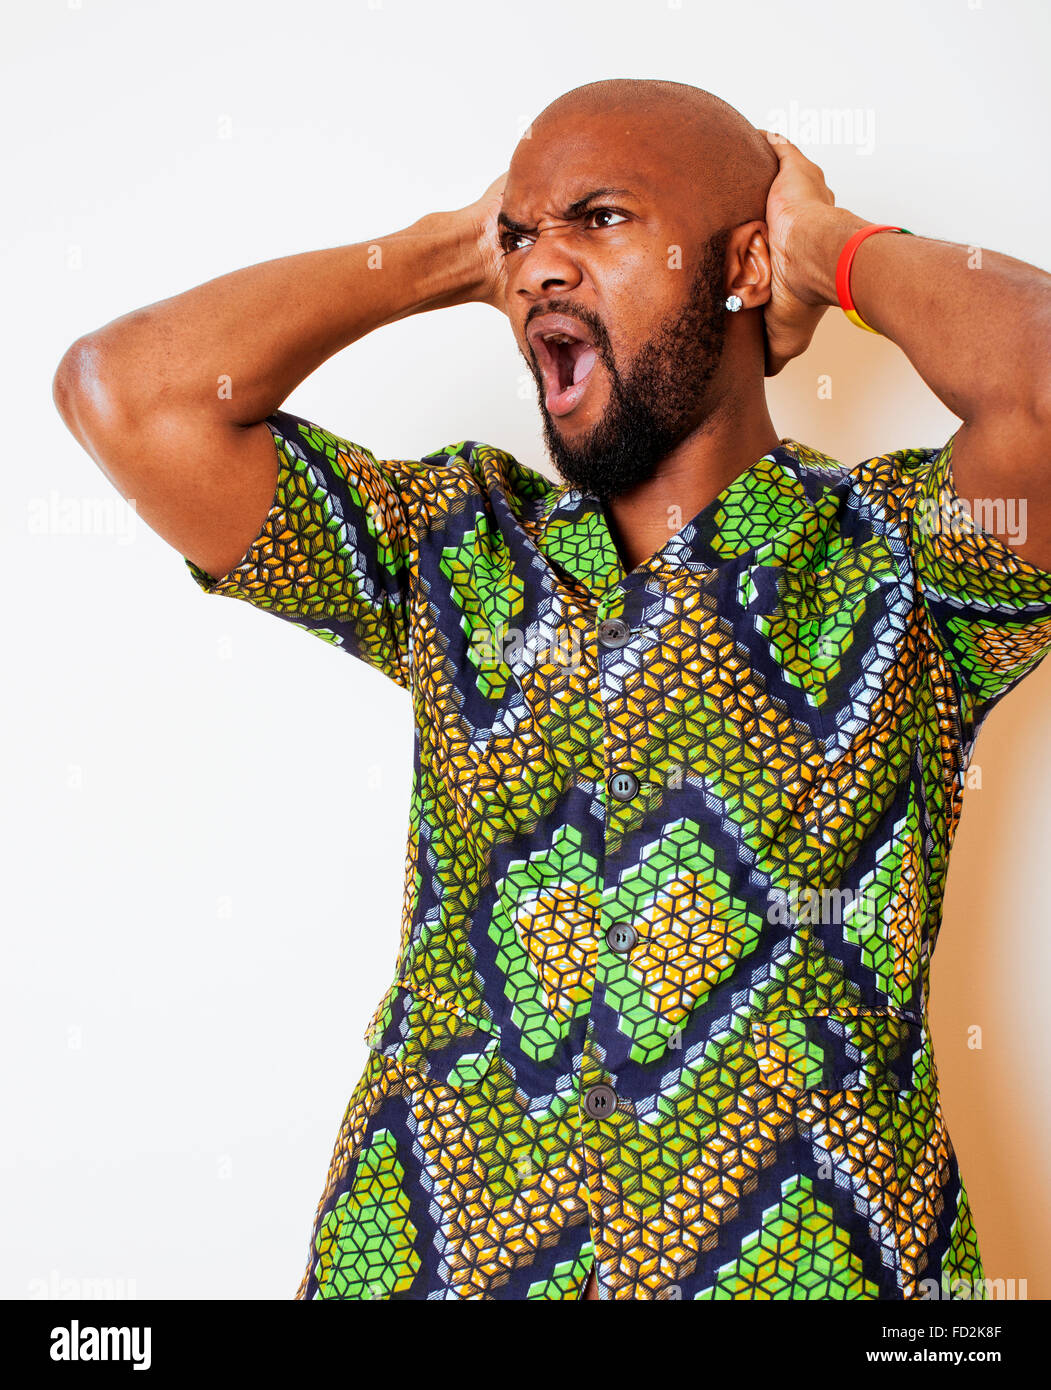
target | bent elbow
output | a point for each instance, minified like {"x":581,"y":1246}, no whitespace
{"x":82,"y":389}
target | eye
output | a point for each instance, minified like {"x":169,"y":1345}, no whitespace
{"x":507,"y":237}
{"x":605,"y":212}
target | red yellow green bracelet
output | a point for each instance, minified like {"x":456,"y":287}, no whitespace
{"x":846,"y":258}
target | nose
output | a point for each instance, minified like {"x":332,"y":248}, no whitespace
{"x":547,"y":265}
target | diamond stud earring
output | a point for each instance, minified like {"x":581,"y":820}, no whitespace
{"x":734,"y":302}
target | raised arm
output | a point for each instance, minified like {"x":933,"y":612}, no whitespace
{"x":169,"y":399}
{"x":975,"y":324}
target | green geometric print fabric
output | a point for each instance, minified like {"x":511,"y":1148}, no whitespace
{"x":675,"y":863}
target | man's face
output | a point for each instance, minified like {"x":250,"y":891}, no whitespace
{"x":602,"y":246}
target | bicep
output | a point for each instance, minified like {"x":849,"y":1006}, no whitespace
{"x":225,"y":498}
{"x":201,"y":484}
{"x":1001,"y":465}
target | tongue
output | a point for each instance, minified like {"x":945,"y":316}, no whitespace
{"x":584,"y":363}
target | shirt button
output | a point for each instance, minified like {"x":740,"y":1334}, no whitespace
{"x":623,"y":785}
{"x":600,"y":1101}
{"x":621,"y":938}
{"x":613,"y":632}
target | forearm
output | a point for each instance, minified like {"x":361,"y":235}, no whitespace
{"x":976,"y":327}
{"x":240,"y":344}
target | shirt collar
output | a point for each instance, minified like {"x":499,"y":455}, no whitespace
{"x":789,"y":494}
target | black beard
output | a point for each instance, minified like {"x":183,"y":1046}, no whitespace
{"x":661,"y":398}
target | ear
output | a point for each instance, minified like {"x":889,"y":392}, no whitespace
{"x":748,"y":264}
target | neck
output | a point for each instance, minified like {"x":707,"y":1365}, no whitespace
{"x":687,"y":479}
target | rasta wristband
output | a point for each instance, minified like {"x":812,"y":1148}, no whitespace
{"x":846,"y":259}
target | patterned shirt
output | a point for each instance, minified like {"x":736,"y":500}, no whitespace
{"x":676,"y":855}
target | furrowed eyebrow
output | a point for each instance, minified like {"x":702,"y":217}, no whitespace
{"x":575,"y":209}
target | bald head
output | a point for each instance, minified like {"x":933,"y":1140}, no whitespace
{"x":725,"y":159}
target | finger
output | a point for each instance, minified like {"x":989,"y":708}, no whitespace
{"x":785,"y":150}
{"x":783,"y":147}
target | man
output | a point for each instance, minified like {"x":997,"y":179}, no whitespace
{"x":691,"y":727}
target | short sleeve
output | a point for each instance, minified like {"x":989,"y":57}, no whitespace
{"x":334,"y":555}
{"x":990,"y":609}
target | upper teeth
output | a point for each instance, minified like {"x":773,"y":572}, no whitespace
{"x":559,"y":338}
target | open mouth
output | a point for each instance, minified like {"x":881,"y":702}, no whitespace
{"x":566,"y":359}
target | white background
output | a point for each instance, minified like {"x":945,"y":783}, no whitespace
{"x":205,"y":808}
